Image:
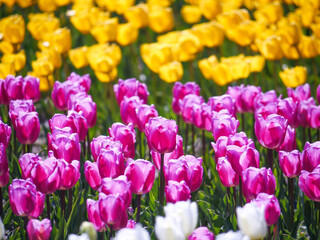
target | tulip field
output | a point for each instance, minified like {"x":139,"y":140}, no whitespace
{"x":159,"y":119}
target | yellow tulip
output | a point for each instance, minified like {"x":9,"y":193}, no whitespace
{"x":127,"y":34}
{"x":270,"y":47}
{"x":160,"y":19}
{"x":60,"y":40}
{"x":119,"y":6}
{"x":243,"y":34}
{"x":232,"y":18}
{"x":18,"y":60}
{"x":78,"y":57}
{"x":210,"y":34}
{"x":290,"y":33}
{"x":41,"y":24}
{"x":191,"y":14}
{"x":123,"y":5}
{"x":300,"y":3}
{"x":192,"y":2}
{"x":25,"y":3}
{"x":9,"y":3}
{"x":308,"y":47}
{"x":206,"y":65}
{"x":105,"y":31}
{"x":231,"y":5}
{"x":61,"y":3}
{"x":210,"y":8}
{"x":293,"y":77}
{"x":42,"y":67}
{"x":47,"y":5}
{"x":46,"y":82}
{"x":52,"y":55}
{"x":221,"y":74}
{"x":162,"y":3}
{"x":238,"y":66}
{"x":316,"y":30}
{"x":6,"y":69}
{"x":256,"y":63}
{"x":12,"y":29}
{"x":270,"y":13}
{"x":6,"y":47}
{"x":107,"y":77}
{"x":171,"y":72}
{"x":307,"y":15}
{"x":137,"y":15}
{"x":289,"y":51}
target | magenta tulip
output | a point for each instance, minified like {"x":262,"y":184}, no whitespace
{"x":27,"y":162}
{"x":130,"y":87}
{"x":103,"y":142}
{"x":144,"y":113}
{"x":84,"y":80}
{"x":202,"y":115}
{"x":62,"y":121}
{"x":290,"y":163}
{"x":177,"y":191}
{"x":263,"y":99}
{"x":303,"y":112}
{"x":228,"y":176}
{"x":175,"y":154}
{"x":314,"y":116}
{"x":266,"y":110}
{"x":27,"y":127}
{"x":13,"y":87}
{"x":3,"y":160}
{"x":247,"y":98}
{"x":111,"y":163}
{"x":17,"y":106}
{"x":70,"y":173}
{"x":126,"y":135}
{"x":131,"y":224}
{"x":223,"y":124}
{"x":289,"y":142}
{"x":223,"y":102}
{"x":220,"y":147}
{"x":201,"y":233}
{"x":46,"y":175}
{"x":92,"y":175}
{"x":288,"y":109}
{"x":3,"y":93}
{"x":257,"y":181}
{"x":271,"y":131}
{"x":311,"y":156}
{"x":187,"y":106}
{"x":271,"y":207}
{"x":39,"y":229}
{"x":240,"y":139}
{"x":161,"y":134}
{"x":141,"y":173}
{"x":318,"y":93}
{"x":113,"y":210}
{"x":31,"y":88}
{"x":81,"y":122}
{"x":235,"y":92}
{"x":128,"y":109}
{"x":301,"y":93}
{"x":119,"y":186}
{"x":180,"y":90}
{"x":24,"y":198}
{"x":4,"y":179}
{"x":94,"y":215}
{"x":5,"y":134}
{"x":309,"y":182}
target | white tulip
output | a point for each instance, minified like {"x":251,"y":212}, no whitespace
{"x":251,"y":221}
{"x":137,"y":233}
{"x":168,"y":229}
{"x":186,"y":212}
{"x":83,"y":236}
{"x":232,"y":236}
{"x":88,"y":228}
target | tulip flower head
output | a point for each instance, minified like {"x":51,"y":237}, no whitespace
{"x":180,"y":90}
{"x":309,"y":183}
{"x":201,"y":233}
{"x":39,"y":229}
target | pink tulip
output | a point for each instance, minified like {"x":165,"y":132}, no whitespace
{"x":289,"y":142}
{"x":39,"y":229}
{"x":62,"y":121}
{"x":180,"y":90}
{"x":31,"y":88}
{"x":228,"y":176}
{"x":3,"y":160}
{"x":223,"y":124}
{"x":177,"y":191}
{"x":131,"y":224}
{"x":266,"y":110}
{"x":27,"y":162}
{"x":202,"y":115}
{"x":84,"y":80}
{"x":240,"y":139}
{"x":27,"y":127}
{"x":220,"y":147}
{"x":314,"y":116}
{"x":85,"y":105}
{"x":4,"y":179}
{"x":257,"y":181}
{"x":113,"y":210}
{"x":309,"y":182}
{"x":161,"y":134}
{"x":271,"y":207}
{"x":263,"y":99}
{"x":223,"y":102}
{"x":288,"y":109}
{"x":301,"y":93}
{"x":141,"y":173}
{"x":70,"y":173}
{"x":92,"y":175}
{"x":5,"y":134}
{"x":318,"y":93}
{"x":311,"y":156}
{"x":94,"y":215}
{"x":17,"y":106}
{"x":187,"y":104}
{"x":187,"y":168}
{"x":3,"y":93}
{"x":201,"y":233}
{"x":128,"y":109}
{"x":46,"y":175}
{"x":64,"y":145}
{"x":126,"y":135}
{"x":303,"y":112}
{"x":144,"y":113}
{"x":111,"y":163}
{"x":235,"y":92}
{"x":175,"y":154}
{"x":81,"y":122}
{"x":13,"y":87}
{"x":130,"y":87}
{"x":103,"y":142}
{"x":271,"y":131}
{"x":24,"y":198}
{"x":119,"y":186}
{"x":290,"y":163}
{"x":247,"y":98}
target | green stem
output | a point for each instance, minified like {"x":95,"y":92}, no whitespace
{"x":291,"y":186}
{"x":88,"y":145}
{"x":111,"y":232}
{"x":270,"y":158}
{"x":48,"y":206}
{"x":204,"y":147}
{"x":186,"y":138}
{"x":162,"y":181}
{"x":70,"y":200}
{"x":140,"y":144}
{"x":242,"y":122}
{"x":63,"y":200}
{"x":240,"y":192}
{"x":192,"y":138}
{"x":138,"y":208}
{"x":26,"y":220}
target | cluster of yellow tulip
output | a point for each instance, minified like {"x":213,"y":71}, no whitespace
{"x":230,"y":69}
{"x":293,"y":77}
{"x":12,"y":33}
{"x":44,"y":5}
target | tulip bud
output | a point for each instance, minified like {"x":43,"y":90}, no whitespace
{"x":86,"y":106}
{"x":27,"y":126}
{"x":247,"y":98}
{"x":111,"y":163}
{"x":92,"y":175}
{"x":201,"y":233}
{"x":228,"y":176}
{"x":309,"y":183}
{"x":222,"y":102}
{"x":5,"y":134}
{"x":103,"y":142}
{"x":3,"y":160}
{"x":304,"y":112}
{"x":27,"y":162}
{"x":167,"y":228}
{"x":202,"y":116}
{"x":94,"y":215}
{"x":310,"y":156}
{"x":191,"y":14}
{"x":135,"y":233}
{"x":271,"y":207}
{"x":39,"y":229}
{"x":70,"y":173}
{"x":223,"y":124}
{"x":144,"y":113}
{"x":88,"y":228}
{"x":288,"y":109}
{"x":293,"y":77}
{"x":180,"y":90}
{"x":160,"y":19}
{"x":30,"y":88}
{"x":290,"y":163}
{"x":177,"y":191}
{"x":300,"y":93}
{"x":128,"y":108}
{"x":171,"y":72}
{"x":13,"y":87}
{"x":289,"y":142}
{"x":187,"y":105}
